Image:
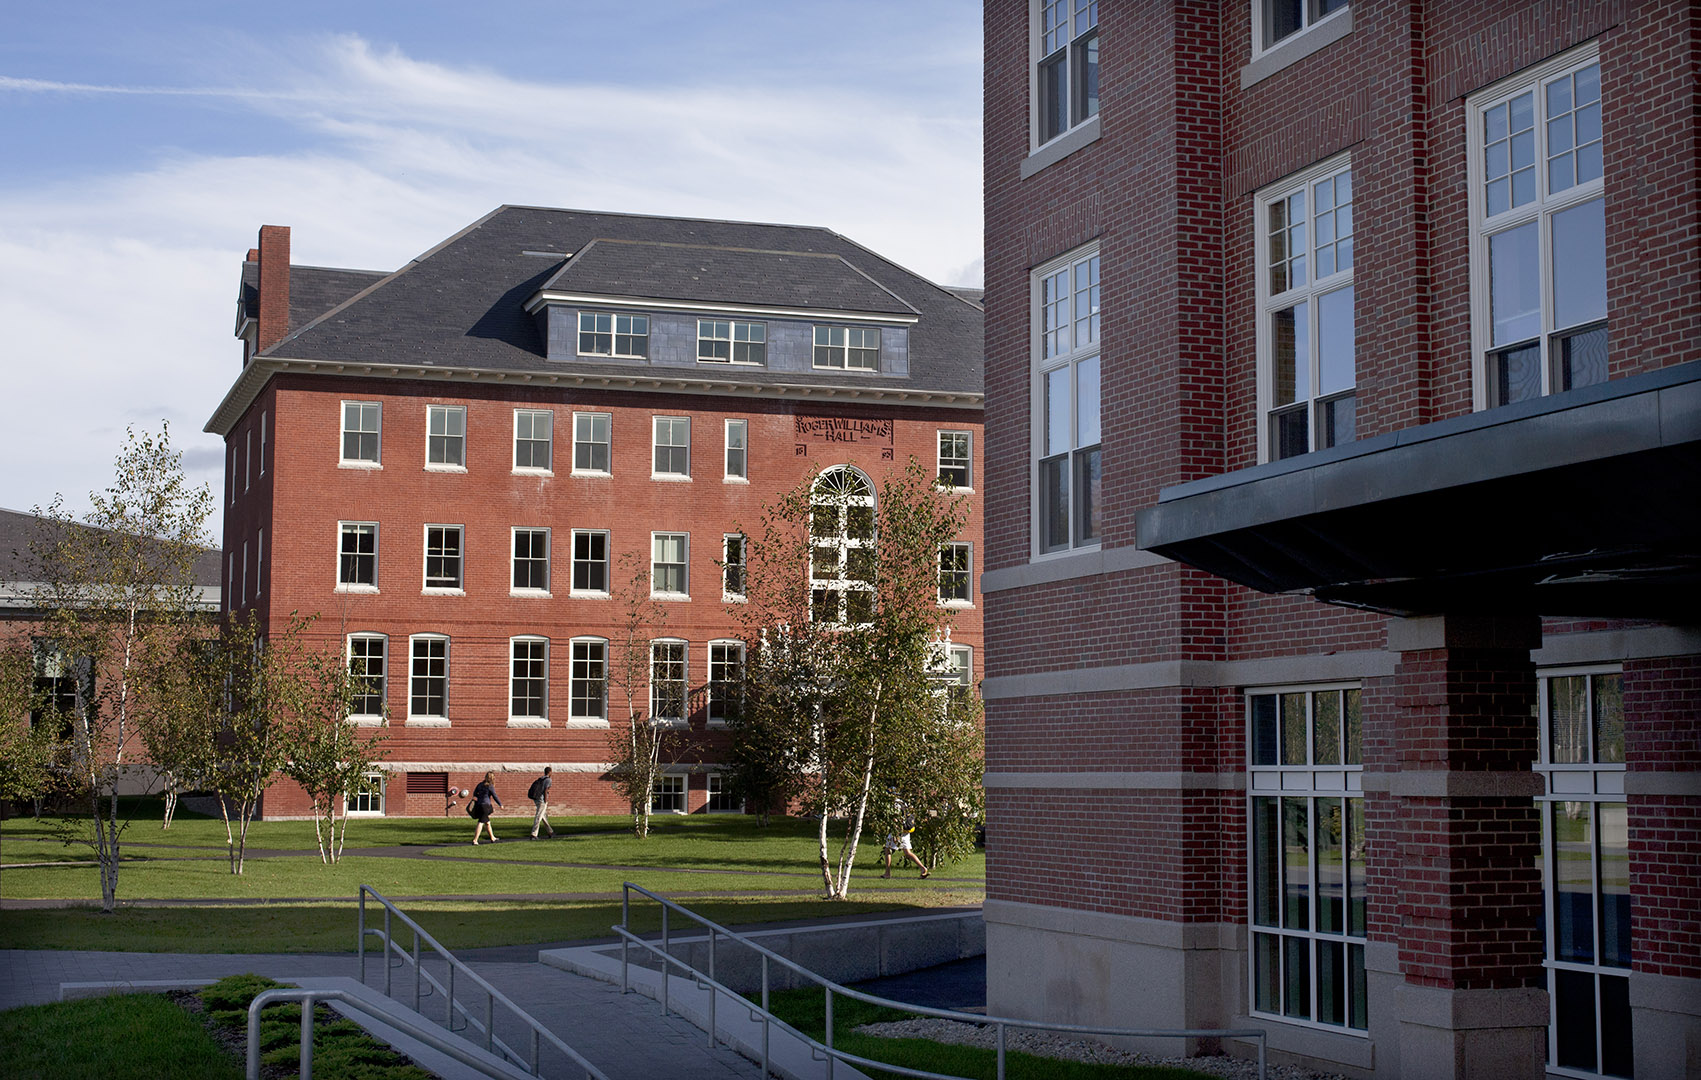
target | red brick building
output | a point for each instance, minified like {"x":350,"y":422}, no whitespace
{"x":457,"y":464}
{"x":1344,"y":435}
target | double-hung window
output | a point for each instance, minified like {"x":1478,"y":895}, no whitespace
{"x":954,"y":466}
{"x":667,"y":682}
{"x":672,"y":447}
{"x":737,"y":450}
{"x":1066,"y":402}
{"x":590,"y":562}
{"x":531,"y":561}
{"x":591,"y":443}
{"x":732,"y":566}
{"x":445,"y":437}
{"x":847,"y":348}
{"x":533,"y":440}
{"x":528,"y":681}
{"x":1275,"y":21}
{"x":428,"y":678}
{"x":1538,"y":232}
{"x":726,"y":682}
{"x":1307,"y":866}
{"x":669,"y":795}
{"x":668,"y":562}
{"x":721,"y":341}
{"x":262,"y":444}
{"x":1307,"y":368}
{"x":366,"y":797}
{"x":1066,"y":66}
{"x":955,"y":573}
{"x":603,"y":333}
{"x":357,"y":555}
{"x":361,"y":429}
{"x":443,"y":557}
{"x":588,"y":682}
{"x":366,"y":654}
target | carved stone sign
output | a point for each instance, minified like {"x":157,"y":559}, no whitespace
{"x":838,"y":429}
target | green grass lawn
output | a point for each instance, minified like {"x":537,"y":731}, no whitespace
{"x":132,"y":1037}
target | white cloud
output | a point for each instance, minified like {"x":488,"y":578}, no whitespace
{"x":118,"y":291}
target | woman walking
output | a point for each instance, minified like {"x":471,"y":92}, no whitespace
{"x":484,"y":795}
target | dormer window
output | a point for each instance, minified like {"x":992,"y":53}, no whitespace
{"x":603,"y":333}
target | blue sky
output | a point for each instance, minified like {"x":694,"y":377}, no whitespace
{"x":143,"y":144}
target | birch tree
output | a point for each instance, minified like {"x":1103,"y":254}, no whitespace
{"x":639,"y":744}
{"x":328,"y":756}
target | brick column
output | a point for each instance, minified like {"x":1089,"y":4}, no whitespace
{"x":1460,"y":893}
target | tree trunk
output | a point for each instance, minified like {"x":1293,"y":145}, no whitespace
{"x":826,"y":864}
{"x":170,"y":803}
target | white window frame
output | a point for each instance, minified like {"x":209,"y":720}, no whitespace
{"x":517,"y":720}
{"x":368,"y":719}
{"x":730,"y":595}
{"x":1309,"y":781}
{"x":1311,"y":294}
{"x":262,"y":442}
{"x":343,"y":460}
{"x":656,"y":446}
{"x":574,"y":681}
{"x":1312,"y":17}
{"x":672,"y":780}
{"x":684,"y":719}
{"x":230,"y":580}
{"x":966,"y":463}
{"x":616,"y":319}
{"x":428,"y":719}
{"x":607,"y":564}
{"x":714,"y":789}
{"x":548,"y":441}
{"x":684,"y":564}
{"x":460,"y":586}
{"x":247,"y":460}
{"x":259,"y":561}
{"x":349,"y":797}
{"x":232,"y":470}
{"x":839,"y":588}
{"x":608,"y":444}
{"x":741,"y":474}
{"x":967,"y":550}
{"x":710,"y":698}
{"x":339,"y":554}
{"x":1073,"y":358}
{"x":1079,"y":36}
{"x":839,"y":352}
{"x":447,"y":413}
{"x":514,"y":561}
{"x":753,"y":343}
{"x":1541,"y":210}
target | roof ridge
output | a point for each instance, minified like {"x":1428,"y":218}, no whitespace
{"x":657,"y":217}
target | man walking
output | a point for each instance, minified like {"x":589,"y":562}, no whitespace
{"x":539,"y":795}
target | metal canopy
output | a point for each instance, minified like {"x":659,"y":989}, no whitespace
{"x":1586,"y":503}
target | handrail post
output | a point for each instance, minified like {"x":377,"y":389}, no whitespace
{"x":386,"y":950}
{"x":307,"y":1037}
{"x":829,"y":988}
{"x":489,"y":1018}
{"x":1000,"y":1052}
{"x":626,"y":928}
{"x":416,"y":971}
{"x":766,"y":1017}
{"x":253,"y":1072}
{"x":449,"y":1001}
{"x":537,"y":1059}
{"x":1263,"y":1044}
{"x":713,"y":993}
{"x":667,"y":955}
{"x":360,"y":935}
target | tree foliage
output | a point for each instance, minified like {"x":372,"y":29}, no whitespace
{"x":843,"y":708}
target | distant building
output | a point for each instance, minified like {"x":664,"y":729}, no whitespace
{"x":1343,"y":536}
{"x":450,"y":463}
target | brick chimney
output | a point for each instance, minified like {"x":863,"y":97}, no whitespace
{"x":274,"y":286}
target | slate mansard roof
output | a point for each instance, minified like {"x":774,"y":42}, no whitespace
{"x":467,"y":305}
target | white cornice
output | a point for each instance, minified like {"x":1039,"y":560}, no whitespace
{"x":656,"y":381}
{"x":547,"y":297}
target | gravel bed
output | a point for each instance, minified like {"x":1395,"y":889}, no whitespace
{"x":1048,"y":1044}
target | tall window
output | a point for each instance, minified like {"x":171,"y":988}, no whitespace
{"x":360,"y":433}
{"x":531,"y":560}
{"x":726,"y":681}
{"x":442,"y":556}
{"x":954,"y":464}
{"x":667,"y":682}
{"x":590,"y":442}
{"x":1538,"y":232}
{"x":732,"y":566}
{"x":1307,"y":859}
{"x":1067,"y":71}
{"x":1274,"y":21}
{"x":955,"y":573}
{"x":248,"y":459}
{"x":720,"y":800}
{"x":590,"y":562}
{"x":848,"y":348}
{"x":672,"y":446}
{"x":58,"y":682}
{"x":737,"y":449}
{"x":726,"y":342}
{"x":668,"y":564}
{"x":428,"y":678}
{"x":528,"y":678}
{"x":259,"y":560}
{"x":1586,"y":871}
{"x":1307,"y":367}
{"x":366,"y":668}
{"x":445,"y":436}
{"x":533,"y":440}
{"x":262,"y":444}
{"x":357,"y":554}
{"x":589,"y":680}
{"x":1066,"y":398}
{"x":604,"y":334}
{"x":842,"y":547}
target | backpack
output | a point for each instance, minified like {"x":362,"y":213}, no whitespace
{"x":536,"y":790}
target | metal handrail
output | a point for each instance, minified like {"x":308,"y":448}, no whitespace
{"x":824,"y":1050}
{"x":492,"y":996}
{"x":308,"y":998}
